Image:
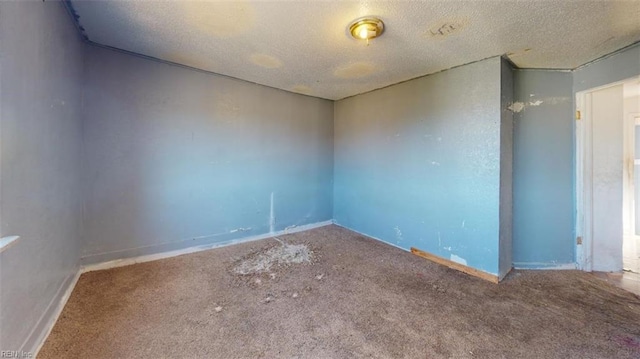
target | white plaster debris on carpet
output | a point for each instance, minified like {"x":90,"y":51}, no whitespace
{"x":282,"y":255}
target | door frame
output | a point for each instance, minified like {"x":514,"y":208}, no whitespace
{"x":584,"y":175}
{"x":631,"y":120}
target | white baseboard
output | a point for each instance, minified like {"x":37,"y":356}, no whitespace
{"x":43,"y":327}
{"x":544,"y":266}
{"x":517,"y":265}
{"x":193,"y":249}
{"x":372,"y":237}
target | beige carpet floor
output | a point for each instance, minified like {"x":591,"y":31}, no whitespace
{"x":356,"y":298}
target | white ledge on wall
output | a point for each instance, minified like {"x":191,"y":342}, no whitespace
{"x":6,"y":242}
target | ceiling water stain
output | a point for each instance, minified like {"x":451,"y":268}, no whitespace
{"x":266,"y":61}
{"x":605,"y":42}
{"x":355,"y":70}
{"x":519,"y":57}
{"x":301,"y":89}
{"x":219,"y":18}
{"x":518,"y":53}
{"x":195,"y":61}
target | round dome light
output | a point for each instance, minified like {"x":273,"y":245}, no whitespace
{"x":366,"y":28}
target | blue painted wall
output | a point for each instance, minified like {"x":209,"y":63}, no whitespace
{"x":418,"y":164}
{"x":543,"y":169}
{"x":544,"y":166}
{"x":41,"y":63}
{"x":176,"y":158}
{"x":506,"y":168}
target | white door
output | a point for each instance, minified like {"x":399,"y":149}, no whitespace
{"x":605,"y":111}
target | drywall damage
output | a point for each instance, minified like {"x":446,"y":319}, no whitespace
{"x":520,"y":106}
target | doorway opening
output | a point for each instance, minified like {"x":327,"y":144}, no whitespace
{"x":608,"y":177}
{"x":631,"y":191}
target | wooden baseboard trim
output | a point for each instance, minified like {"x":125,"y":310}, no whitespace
{"x":457,"y":266}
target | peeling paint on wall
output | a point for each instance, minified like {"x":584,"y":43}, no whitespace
{"x":272,"y":216}
{"x":240,"y":230}
{"x":542,"y":170}
{"x":460,"y":260}
{"x":521,"y":106}
{"x":76,"y":19}
{"x":516,"y":107}
{"x":398,"y":234}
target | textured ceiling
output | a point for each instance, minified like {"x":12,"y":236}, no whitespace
{"x":304,"y":46}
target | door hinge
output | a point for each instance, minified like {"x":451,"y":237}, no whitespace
{"x":578,"y":115}
{"x":579,"y":240}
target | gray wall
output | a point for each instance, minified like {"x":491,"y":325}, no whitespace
{"x":176,"y":158}
{"x":506,"y":168}
{"x":618,"y":66}
{"x":543,"y":169}
{"x":418,"y":164}
{"x":41,"y":131}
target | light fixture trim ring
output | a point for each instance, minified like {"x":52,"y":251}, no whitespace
{"x":373,"y":26}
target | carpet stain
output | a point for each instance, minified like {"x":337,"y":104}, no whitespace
{"x":628,"y":342}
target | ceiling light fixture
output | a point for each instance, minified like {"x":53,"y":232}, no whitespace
{"x":366,"y":28}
